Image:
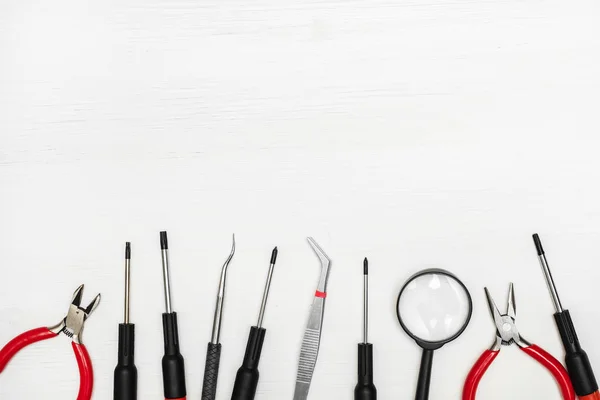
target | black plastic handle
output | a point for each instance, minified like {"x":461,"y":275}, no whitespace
{"x":365,"y":389}
{"x":125,"y":383}
{"x":172,"y":363}
{"x":424,"y":375}
{"x":211,"y":371}
{"x":577,"y":361}
{"x":246,"y":379}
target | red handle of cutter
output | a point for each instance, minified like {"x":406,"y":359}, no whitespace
{"x":22,"y":341}
{"x":593,"y":396}
{"x":477,"y":372}
{"x":555,"y":367}
{"x":86,"y":373}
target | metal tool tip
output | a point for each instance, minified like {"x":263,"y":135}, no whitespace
{"x":538,"y":244}
{"x":366,"y":266}
{"x":274,"y":255}
{"x":164,"y":244}
{"x":127,"y":250}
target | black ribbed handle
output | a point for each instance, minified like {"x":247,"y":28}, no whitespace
{"x":211,"y":371}
{"x":125,"y":383}
{"x":577,"y":361}
{"x":365,"y":389}
{"x":247,"y":376}
{"x":172,"y":363}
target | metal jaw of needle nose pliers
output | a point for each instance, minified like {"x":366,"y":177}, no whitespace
{"x":71,"y":326}
{"x":507,"y":334}
{"x":312,"y":335}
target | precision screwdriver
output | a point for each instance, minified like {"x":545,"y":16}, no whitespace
{"x":172,"y":362}
{"x":213,"y":352}
{"x":578,"y":363}
{"x":125,"y":383}
{"x":365,"y":389}
{"x":246,"y":379}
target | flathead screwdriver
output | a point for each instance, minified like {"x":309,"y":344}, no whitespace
{"x":365,"y":389}
{"x":577,"y":361}
{"x":246,"y":379}
{"x":173,"y":368}
{"x":125,"y":382}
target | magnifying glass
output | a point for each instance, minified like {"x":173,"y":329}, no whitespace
{"x":434,"y":307}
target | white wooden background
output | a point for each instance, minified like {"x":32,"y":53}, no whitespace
{"x":414,"y":132}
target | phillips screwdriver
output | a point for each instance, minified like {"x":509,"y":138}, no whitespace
{"x":365,"y":389}
{"x":172,"y":362}
{"x":578,"y":363}
{"x":125,"y":383}
{"x":246,"y":379}
{"x":213,"y":352}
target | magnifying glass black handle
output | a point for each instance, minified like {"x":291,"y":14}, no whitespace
{"x":365,"y":389}
{"x":424,"y":375}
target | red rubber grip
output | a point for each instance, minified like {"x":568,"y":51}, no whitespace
{"x":86,"y":373}
{"x":22,"y":341}
{"x":477,"y":372}
{"x":555,"y":367}
{"x":593,"y":396}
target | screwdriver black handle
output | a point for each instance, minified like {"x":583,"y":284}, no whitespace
{"x":246,"y":379}
{"x":125,"y":383}
{"x":211,"y":371}
{"x":172,"y":363}
{"x":365,"y":389}
{"x":577,"y":361}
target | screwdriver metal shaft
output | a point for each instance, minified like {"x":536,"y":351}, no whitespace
{"x":125,"y":379}
{"x":576,"y":359}
{"x":246,"y":379}
{"x":365,"y":389}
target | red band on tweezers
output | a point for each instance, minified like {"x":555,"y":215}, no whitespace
{"x":321,"y":295}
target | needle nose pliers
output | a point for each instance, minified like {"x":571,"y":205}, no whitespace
{"x":71,"y":326}
{"x":507,"y":334}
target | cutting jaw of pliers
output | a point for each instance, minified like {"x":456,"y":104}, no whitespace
{"x":71,"y":326}
{"x":507,"y":334}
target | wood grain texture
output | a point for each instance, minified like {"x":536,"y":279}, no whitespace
{"x":414,"y":132}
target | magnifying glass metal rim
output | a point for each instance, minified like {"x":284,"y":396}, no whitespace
{"x":424,"y":343}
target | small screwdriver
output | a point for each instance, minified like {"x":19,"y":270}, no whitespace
{"x":246,"y":379}
{"x":172,"y":362}
{"x":365,"y":389}
{"x":578,"y":363}
{"x":125,"y":383}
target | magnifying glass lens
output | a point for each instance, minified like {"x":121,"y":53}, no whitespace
{"x":434,"y":307}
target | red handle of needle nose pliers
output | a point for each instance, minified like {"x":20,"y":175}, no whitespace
{"x":540,"y":355}
{"x":22,"y":341}
{"x":477,"y":372}
{"x":555,"y":367}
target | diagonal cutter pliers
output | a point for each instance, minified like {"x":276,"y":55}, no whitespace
{"x":71,"y":326}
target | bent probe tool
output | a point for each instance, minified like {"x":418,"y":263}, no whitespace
{"x":365,"y":389}
{"x":312,"y":335}
{"x":213,"y":352}
{"x":173,"y":367}
{"x":578,"y":363}
{"x":72,"y":327}
{"x":507,"y":334}
{"x":246,"y":379}
{"x":126,"y":377}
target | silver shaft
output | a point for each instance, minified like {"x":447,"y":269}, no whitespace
{"x":366,"y":310}
{"x":127,"y":287}
{"x":263,"y":304}
{"x":550,"y":282}
{"x":216,"y":331}
{"x":166,"y":279}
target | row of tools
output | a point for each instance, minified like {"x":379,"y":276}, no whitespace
{"x":434,"y":307}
